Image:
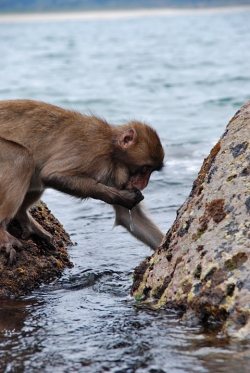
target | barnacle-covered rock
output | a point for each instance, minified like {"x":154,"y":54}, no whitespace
{"x":203,"y":266}
{"x":36,"y":263}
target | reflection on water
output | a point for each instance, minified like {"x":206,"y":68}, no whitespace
{"x":87,"y":320}
{"x":186,"y":75}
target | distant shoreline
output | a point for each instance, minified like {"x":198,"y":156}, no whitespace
{"x":112,"y":14}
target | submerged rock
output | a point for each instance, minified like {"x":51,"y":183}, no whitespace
{"x":202,"y":267}
{"x":36,"y":263}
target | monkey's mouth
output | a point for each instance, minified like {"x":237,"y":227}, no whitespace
{"x":139,"y":184}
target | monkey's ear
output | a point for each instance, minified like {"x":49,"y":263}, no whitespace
{"x":127,"y":138}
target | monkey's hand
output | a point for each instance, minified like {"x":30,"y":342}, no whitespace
{"x":129,"y":198}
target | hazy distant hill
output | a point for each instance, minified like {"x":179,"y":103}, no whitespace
{"x":47,"y":5}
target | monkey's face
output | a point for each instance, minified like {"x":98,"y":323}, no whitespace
{"x":140,"y":152}
{"x":140,"y":177}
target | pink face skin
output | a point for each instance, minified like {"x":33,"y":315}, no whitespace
{"x":140,"y":179}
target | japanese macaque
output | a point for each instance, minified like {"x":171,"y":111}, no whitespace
{"x":44,"y":146}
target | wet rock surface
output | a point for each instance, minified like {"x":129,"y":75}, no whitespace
{"x":202,"y":268}
{"x":36,"y":263}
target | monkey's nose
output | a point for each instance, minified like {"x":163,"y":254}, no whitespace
{"x":141,"y":184}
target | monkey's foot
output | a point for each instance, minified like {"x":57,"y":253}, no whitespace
{"x":7,"y":244}
{"x":30,"y":226}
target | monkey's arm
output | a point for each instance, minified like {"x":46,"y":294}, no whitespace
{"x":143,"y":228}
{"x":84,"y":187}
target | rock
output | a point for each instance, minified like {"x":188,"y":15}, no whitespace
{"x":202,"y":267}
{"x":36,"y":263}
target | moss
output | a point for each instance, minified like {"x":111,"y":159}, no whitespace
{"x":231,"y":177}
{"x":139,"y":297}
{"x":230,"y":266}
{"x":197,"y":272}
{"x":236,"y":261}
{"x":230,"y":289}
{"x":156,"y":293}
{"x":198,"y":235}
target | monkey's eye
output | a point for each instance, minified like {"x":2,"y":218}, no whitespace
{"x":146,"y":169}
{"x":142,"y":170}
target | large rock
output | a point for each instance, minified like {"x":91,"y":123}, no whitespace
{"x":202,"y":267}
{"x":37,"y":263}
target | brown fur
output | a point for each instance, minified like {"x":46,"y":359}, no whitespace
{"x":44,"y":146}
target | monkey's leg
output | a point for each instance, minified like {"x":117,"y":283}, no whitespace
{"x":143,"y":228}
{"x":28,"y":224}
{"x":16,"y":169}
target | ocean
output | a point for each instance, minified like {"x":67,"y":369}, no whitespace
{"x":185,"y":73}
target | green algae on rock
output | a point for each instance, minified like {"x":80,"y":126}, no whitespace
{"x":36,"y":263}
{"x":202,"y":266}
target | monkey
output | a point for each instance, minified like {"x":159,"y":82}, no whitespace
{"x":44,"y":146}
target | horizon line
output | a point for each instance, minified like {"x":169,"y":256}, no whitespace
{"x":112,"y":14}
